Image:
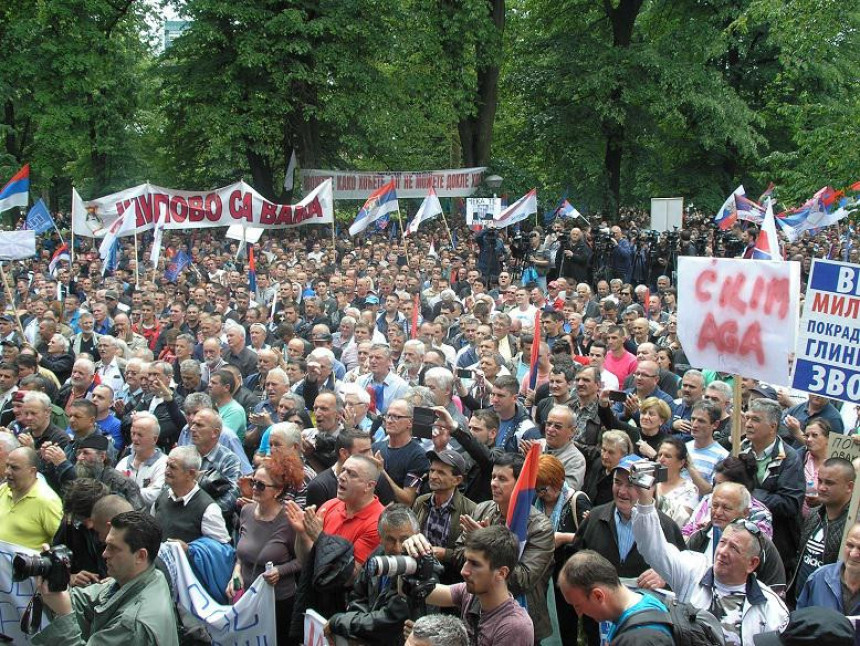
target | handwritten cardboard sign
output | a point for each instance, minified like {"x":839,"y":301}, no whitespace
{"x":739,"y":316}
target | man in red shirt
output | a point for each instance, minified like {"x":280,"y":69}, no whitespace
{"x":353,"y":515}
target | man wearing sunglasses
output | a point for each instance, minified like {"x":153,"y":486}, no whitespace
{"x":728,"y":588}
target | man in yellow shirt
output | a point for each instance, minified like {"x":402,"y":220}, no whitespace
{"x":30,"y":511}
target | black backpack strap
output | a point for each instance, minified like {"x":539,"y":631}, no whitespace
{"x":646,"y":618}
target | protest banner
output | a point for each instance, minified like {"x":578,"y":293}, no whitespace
{"x":14,"y":596}
{"x":315,"y":631}
{"x":237,"y":204}
{"x":480,"y":210}
{"x":843,"y":446}
{"x":250,"y":621}
{"x":739,"y":316}
{"x":828,"y":350}
{"x":358,"y":185}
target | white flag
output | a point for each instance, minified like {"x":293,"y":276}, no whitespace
{"x":518,"y":211}
{"x":429,"y":209}
{"x":16,"y":245}
{"x":119,"y":227}
{"x":291,"y":171}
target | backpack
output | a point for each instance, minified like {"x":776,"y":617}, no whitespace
{"x":690,"y":626}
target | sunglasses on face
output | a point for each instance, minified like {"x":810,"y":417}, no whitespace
{"x":260,"y":486}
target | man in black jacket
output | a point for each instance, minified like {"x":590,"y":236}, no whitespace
{"x":609,"y":532}
{"x":377,"y":608}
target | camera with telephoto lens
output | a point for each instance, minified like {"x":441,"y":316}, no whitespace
{"x":53,"y":565}
{"x":420,"y":575}
{"x":646,"y":474}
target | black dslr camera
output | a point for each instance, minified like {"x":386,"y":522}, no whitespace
{"x":53,"y":565}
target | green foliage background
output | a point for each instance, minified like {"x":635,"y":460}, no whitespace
{"x":613,"y":101}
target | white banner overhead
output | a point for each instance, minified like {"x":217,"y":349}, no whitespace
{"x":739,"y":316}
{"x":358,"y":185}
{"x":235,"y":204}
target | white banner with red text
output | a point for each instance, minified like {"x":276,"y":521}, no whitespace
{"x":739,"y":316}
{"x":237,"y":204}
{"x":358,"y":185}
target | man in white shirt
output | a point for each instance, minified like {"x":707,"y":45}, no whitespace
{"x":109,"y":369}
{"x":146,"y":463}
{"x":524,"y":311}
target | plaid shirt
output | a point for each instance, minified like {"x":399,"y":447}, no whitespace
{"x":439,"y":521}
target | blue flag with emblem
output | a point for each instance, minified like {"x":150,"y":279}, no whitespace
{"x":39,"y":218}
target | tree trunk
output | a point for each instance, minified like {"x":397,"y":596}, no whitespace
{"x":476,"y":130}
{"x":261,"y":174}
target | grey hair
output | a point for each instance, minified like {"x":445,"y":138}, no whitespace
{"x":290,"y":432}
{"x":258,"y":326}
{"x":723,"y":388}
{"x":421,"y":392}
{"x":8,"y":442}
{"x":618,"y":438}
{"x":416,"y":344}
{"x":111,"y":340}
{"x":696,"y":373}
{"x":442,"y":377}
{"x":772,"y":410}
{"x":86,"y":363}
{"x":146,"y":416}
{"x":63,"y":341}
{"x":322,"y":353}
{"x":348,"y":320}
{"x":741,"y":490}
{"x":355,"y":390}
{"x":190,"y":365}
{"x":398,"y":515}
{"x":279,"y":372}
{"x":197,"y":401}
{"x":188,"y":457}
{"x":35,"y":396}
{"x":441,"y":630}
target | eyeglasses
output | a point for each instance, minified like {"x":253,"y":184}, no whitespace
{"x":260,"y":486}
{"x":554,"y":425}
{"x":753,"y":529}
{"x":398,"y":417}
{"x":542,"y":490}
{"x":644,"y":374}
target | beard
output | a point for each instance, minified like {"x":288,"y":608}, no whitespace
{"x":84,"y":470}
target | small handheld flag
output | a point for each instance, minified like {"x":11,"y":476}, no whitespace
{"x":252,"y":272}
{"x":523,"y":496}
{"x":16,"y":192}
{"x":416,"y":305}
{"x":289,"y":177}
{"x":61,"y":254}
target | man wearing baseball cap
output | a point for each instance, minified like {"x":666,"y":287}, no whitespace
{"x":439,"y":511}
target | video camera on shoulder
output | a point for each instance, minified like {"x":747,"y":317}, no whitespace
{"x":645,"y":474}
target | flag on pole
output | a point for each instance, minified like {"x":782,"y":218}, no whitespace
{"x":158,"y":234}
{"x":380,"y":203}
{"x":454,"y":239}
{"x":429,"y":209}
{"x":768,"y":192}
{"x":289,"y":178}
{"x":176,"y":265}
{"x":416,"y":305}
{"x":727,"y":215}
{"x":112,"y":262}
{"x":122,"y":225}
{"x":748,"y":210}
{"x":61,"y":254}
{"x":523,"y":496}
{"x":252,"y":272}
{"x":518,"y":211}
{"x":16,"y":192}
{"x":568,"y":211}
{"x":17,"y":245}
{"x":767,"y":243}
{"x":549,"y":216}
{"x":533,"y":363}
{"x":39,"y":218}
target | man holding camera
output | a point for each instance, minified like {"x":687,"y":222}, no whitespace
{"x":134,"y":607}
{"x":378,"y":605}
{"x":728,"y":588}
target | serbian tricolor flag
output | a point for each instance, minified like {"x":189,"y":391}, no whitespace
{"x":252,"y":272}
{"x":17,"y":190}
{"x":523,"y":496}
{"x":380,"y":203}
{"x":533,"y":363}
{"x":728,"y":213}
{"x":60,"y":255}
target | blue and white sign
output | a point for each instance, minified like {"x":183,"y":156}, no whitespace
{"x":828,"y":345}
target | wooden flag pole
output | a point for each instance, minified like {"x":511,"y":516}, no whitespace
{"x":736,"y":415}
{"x":11,"y":300}
{"x":448,"y":229}
{"x":136,"y":263}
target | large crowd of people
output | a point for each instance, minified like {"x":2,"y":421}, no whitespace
{"x":279,"y":430}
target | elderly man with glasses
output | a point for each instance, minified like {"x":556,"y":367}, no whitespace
{"x":400,"y":457}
